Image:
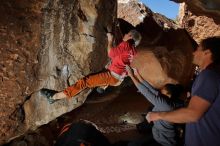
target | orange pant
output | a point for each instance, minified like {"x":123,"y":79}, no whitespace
{"x":90,"y":81}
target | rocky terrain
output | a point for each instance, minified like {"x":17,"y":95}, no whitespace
{"x":51,"y":44}
{"x":199,"y":27}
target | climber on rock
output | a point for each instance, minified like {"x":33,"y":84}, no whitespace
{"x":120,"y":56}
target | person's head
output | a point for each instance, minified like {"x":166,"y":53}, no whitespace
{"x":172,"y":90}
{"x":207,"y":52}
{"x":133,"y":35}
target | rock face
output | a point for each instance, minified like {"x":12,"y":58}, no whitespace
{"x":159,"y":65}
{"x":209,"y":8}
{"x":199,"y":27}
{"x":47,"y":44}
{"x":126,"y":9}
{"x":20,"y":43}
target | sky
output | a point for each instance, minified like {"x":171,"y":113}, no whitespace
{"x":166,"y":7}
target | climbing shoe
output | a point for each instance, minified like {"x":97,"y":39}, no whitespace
{"x":49,"y":94}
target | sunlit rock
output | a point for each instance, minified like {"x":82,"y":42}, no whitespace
{"x":209,"y":8}
{"x":199,"y":27}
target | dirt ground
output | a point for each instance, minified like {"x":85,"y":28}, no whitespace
{"x":115,"y":113}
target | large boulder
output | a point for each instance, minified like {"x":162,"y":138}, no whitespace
{"x":47,"y":44}
{"x":170,"y":63}
{"x":209,"y":8}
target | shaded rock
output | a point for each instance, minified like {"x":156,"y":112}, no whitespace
{"x":108,"y":117}
{"x":38,"y":111}
{"x":19,"y":46}
{"x":47,"y":44}
{"x":31,"y":139}
{"x":20,"y":143}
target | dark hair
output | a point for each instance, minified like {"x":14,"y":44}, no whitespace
{"x":175,"y":90}
{"x":212,"y":44}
